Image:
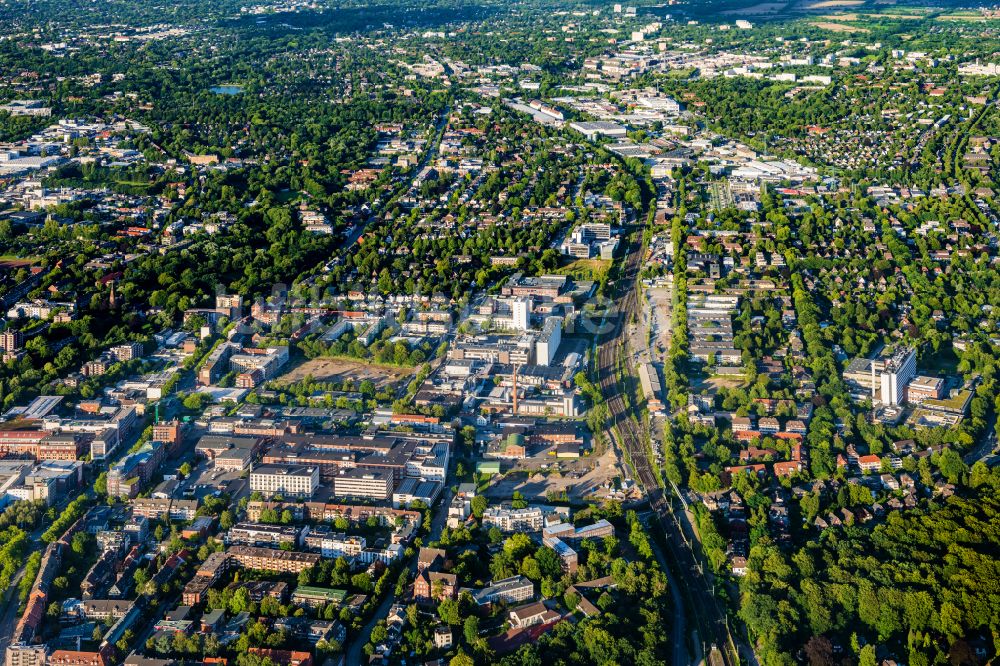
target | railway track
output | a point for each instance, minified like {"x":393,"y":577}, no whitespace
{"x":702,"y":607}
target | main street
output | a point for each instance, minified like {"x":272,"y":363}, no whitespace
{"x":11,"y":598}
{"x":354,"y":653}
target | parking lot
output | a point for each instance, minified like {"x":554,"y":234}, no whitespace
{"x":204,"y":479}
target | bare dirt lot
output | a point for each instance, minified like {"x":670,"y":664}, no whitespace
{"x":339,"y":370}
{"x":827,"y":4}
{"x":838,"y":27}
{"x":581,"y":478}
{"x":760,"y":8}
{"x":10,"y":262}
{"x":661,"y":300}
{"x":714,"y":383}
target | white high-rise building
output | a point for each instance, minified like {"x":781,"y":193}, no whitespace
{"x":898,"y":372}
{"x":522,"y":314}
{"x":548,"y":342}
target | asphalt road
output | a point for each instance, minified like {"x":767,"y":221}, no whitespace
{"x":10,"y":602}
{"x":9,"y":615}
{"x":8,"y":621}
{"x":355,"y":650}
{"x":985,"y":449}
{"x":360,"y":229}
{"x":354,"y":653}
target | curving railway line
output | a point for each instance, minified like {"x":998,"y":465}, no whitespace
{"x":702,"y":607}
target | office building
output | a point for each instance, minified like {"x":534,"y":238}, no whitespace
{"x":411,"y":489}
{"x":129,"y":476}
{"x":287,"y":481}
{"x":374,"y":484}
{"x":64,"y":446}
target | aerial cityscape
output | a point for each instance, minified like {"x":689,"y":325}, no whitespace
{"x":499,"y":332}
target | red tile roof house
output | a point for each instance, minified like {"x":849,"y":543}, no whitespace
{"x":790,"y":468}
{"x":870,"y":463}
{"x":75,"y":658}
{"x":284,"y":657}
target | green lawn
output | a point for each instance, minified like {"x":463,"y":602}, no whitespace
{"x":586,"y":269}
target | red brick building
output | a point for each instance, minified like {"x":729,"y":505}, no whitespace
{"x":434,"y":585}
{"x":284,"y":657}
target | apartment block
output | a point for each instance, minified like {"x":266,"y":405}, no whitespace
{"x":11,"y":341}
{"x":508,"y":519}
{"x":270,"y":559}
{"x":263,"y":534}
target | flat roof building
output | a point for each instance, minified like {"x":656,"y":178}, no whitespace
{"x":262,"y":534}
{"x":592,"y":130}
{"x":307,"y":595}
{"x":511,"y":590}
{"x":270,"y":559}
{"x":410,"y":490}
{"x":548,"y":342}
{"x":650,"y":381}
{"x":289,"y":481}
{"x":508,"y":519}
{"x":374,"y":484}
{"x":923,"y":388}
